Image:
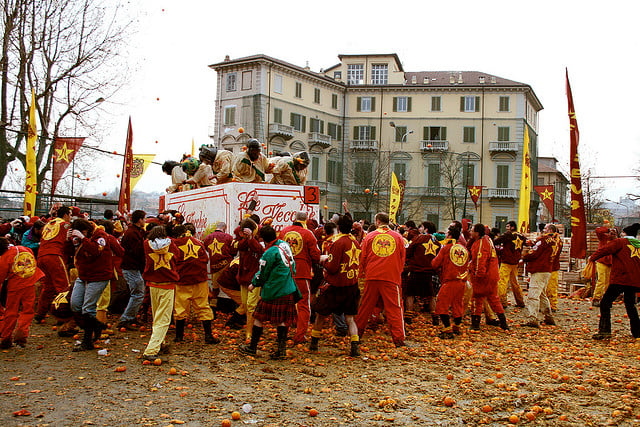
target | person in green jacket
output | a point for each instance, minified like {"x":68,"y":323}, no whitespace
{"x":278,"y":294}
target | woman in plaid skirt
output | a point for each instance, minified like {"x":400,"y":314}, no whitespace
{"x":278,"y":294}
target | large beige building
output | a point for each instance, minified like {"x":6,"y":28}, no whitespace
{"x":365,"y":117}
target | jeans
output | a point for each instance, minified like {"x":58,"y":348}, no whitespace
{"x":537,"y":299}
{"x":136,"y":291}
{"x":610,"y":295}
{"x":340,"y":322}
{"x":85,"y":296}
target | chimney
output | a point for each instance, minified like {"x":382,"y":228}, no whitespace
{"x":414,"y":79}
{"x":226,"y":58}
{"x":481,"y":80}
{"x":493,"y":80}
{"x":306,"y":67}
{"x":452,"y":78}
{"x":426,"y":80}
{"x":460,"y":77}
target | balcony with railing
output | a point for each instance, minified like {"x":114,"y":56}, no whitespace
{"x":319,"y":138}
{"x":427,"y":146}
{"x":278,"y":129}
{"x":364,"y":145}
{"x":502,"y":193}
{"x":503,"y":147}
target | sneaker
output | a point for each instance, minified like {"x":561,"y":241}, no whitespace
{"x":164,"y":349}
{"x":83,"y":347}
{"x":127,"y":325}
{"x":153,"y":357}
{"x":493,"y":322}
{"x":245,"y":349}
{"x":531,"y":324}
{"x":595,"y":303}
{"x":602,"y":336}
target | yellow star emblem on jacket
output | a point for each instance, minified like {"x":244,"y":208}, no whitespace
{"x":216,"y":247}
{"x":353,"y":254}
{"x":430,"y":248}
{"x":161,"y":260}
{"x":634,"y":251}
{"x":189,"y":249}
{"x":517,"y":242}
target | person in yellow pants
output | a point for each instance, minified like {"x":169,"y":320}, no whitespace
{"x":605,"y":235}
{"x":552,"y":285}
{"x":509,"y":247}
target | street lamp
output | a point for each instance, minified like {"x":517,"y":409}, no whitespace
{"x":404,"y":137}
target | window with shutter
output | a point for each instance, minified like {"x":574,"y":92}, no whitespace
{"x":469,"y":103}
{"x":502,"y":176}
{"x":477,"y":104}
{"x":436,"y":103}
{"x":504,"y":104}
{"x":277,"y":115}
{"x":334,"y":101}
{"x":469,"y":134}
{"x":468,"y":174}
{"x":434,"y":175}
{"x":298,"y":90}
{"x":316,"y":95}
{"x":315,"y":168}
{"x":231,"y":82}
{"x":230,"y":116}
{"x":277,"y":83}
{"x":402,"y":104}
{"x":425,"y":133}
{"x":503,"y":133}
{"x":400,"y":169}
{"x":400,"y":132}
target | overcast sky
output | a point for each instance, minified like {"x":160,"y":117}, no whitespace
{"x":172,"y":92}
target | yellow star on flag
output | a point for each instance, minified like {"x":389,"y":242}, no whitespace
{"x":216,"y":247}
{"x":546,"y":194}
{"x":517,"y":242}
{"x":189,"y":249}
{"x":161,"y":260}
{"x":63,"y":153}
{"x":634,"y":251}
{"x":353,"y":254}
{"x":430,"y":248}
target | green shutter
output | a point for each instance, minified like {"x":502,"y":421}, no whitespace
{"x":292,"y":121}
{"x":443,"y":133}
{"x":359,"y":104}
{"x":373,"y":133}
{"x":373,"y":103}
{"x":322,"y":126}
{"x":339,"y":133}
{"x":409,"y":104}
{"x":339,"y":173}
{"x":356,"y":133}
{"x":462,"y":103}
{"x":425,"y":133}
{"x":303,"y":119}
{"x":477,"y":104}
{"x":395,"y":103}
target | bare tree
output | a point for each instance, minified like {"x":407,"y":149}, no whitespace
{"x":368,"y":177}
{"x":67,"y":51}
{"x":453,"y":186}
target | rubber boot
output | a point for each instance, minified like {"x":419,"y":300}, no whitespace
{"x":435,"y":320}
{"x":88,"y":324}
{"x":475,"y":323}
{"x":313,"y":346}
{"x":493,"y":322}
{"x":179,"y":330}
{"x":208,"y":336}
{"x":355,"y":348}
{"x":236,"y":321}
{"x":252,"y":348}
{"x":503,"y":321}
{"x":457,"y":325}
{"x":281,"y":352}
{"x":98,"y":327}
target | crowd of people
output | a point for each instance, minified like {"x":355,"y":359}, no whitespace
{"x":349,"y":272}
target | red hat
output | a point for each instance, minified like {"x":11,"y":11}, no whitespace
{"x":75,"y":211}
{"x":5,"y":229}
{"x":33,"y":220}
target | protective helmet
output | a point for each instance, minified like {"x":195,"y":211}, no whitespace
{"x":253,"y":143}
{"x":208,"y":153}
{"x":302,"y":158}
{"x":190,"y":166}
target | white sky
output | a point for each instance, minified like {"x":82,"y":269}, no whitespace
{"x":529,"y":42}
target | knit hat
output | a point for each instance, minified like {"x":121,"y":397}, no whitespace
{"x":632,"y":230}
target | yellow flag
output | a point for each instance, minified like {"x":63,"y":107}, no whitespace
{"x":193,"y":147}
{"x":31,"y":183}
{"x":394,"y":199}
{"x":525,"y":186}
{"x":140,"y":163}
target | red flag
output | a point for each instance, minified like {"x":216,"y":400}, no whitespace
{"x":124,"y":204}
{"x":474,"y":192}
{"x":65,"y":150}
{"x":578,"y":217}
{"x":547,"y":196}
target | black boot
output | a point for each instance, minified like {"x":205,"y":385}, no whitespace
{"x":236,"y":321}
{"x":435,"y":320}
{"x":493,"y":322}
{"x":88,"y":324}
{"x":503,"y":321}
{"x":314,"y":344}
{"x":179,"y":330}
{"x":281,"y":352}
{"x":98,"y":328}
{"x":208,"y":336}
{"x":475,"y":323}
{"x":252,"y":348}
{"x":355,"y":349}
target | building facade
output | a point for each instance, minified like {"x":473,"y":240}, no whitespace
{"x":366,"y":117}
{"x":548,"y":174}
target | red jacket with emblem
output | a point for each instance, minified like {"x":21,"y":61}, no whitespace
{"x":540,"y":259}
{"x":221,"y":249}
{"x":453,"y":260}
{"x":249,"y":250}
{"x":18,"y":267}
{"x":511,"y":247}
{"x":228,"y":279}
{"x":603,"y":239}
{"x":383,"y":256}
{"x":304,"y":247}
{"x":94,"y":257}
{"x":484,"y":266}
{"x":341,"y":269}
{"x":625,"y":261}
{"x":557,"y":251}
{"x":421,"y":251}
{"x":192,"y":260}
{"x":160,"y":268}
{"x":54,"y":238}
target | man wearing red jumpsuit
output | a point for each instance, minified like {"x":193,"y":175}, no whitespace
{"x":381,"y":263}
{"x":304,"y":247}
{"x":484,"y":277}
{"x":453,"y":263}
{"x":18,"y":267}
{"x":52,"y":261}
{"x":603,"y":265}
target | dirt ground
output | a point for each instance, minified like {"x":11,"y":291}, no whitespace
{"x":556,"y":375}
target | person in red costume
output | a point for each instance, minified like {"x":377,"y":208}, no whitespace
{"x":511,"y":243}
{"x":54,"y":249}
{"x":305,"y":252}
{"x":603,"y":265}
{"x":249,"y":251}
{"x":381,"y":264}
{"x":540,"y":264}
{"x":625,"y":279}
{"x":484,"y":277}
{"x":18,"y":267}
{"x":421,"y":251}
{"x":221,"y":252}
